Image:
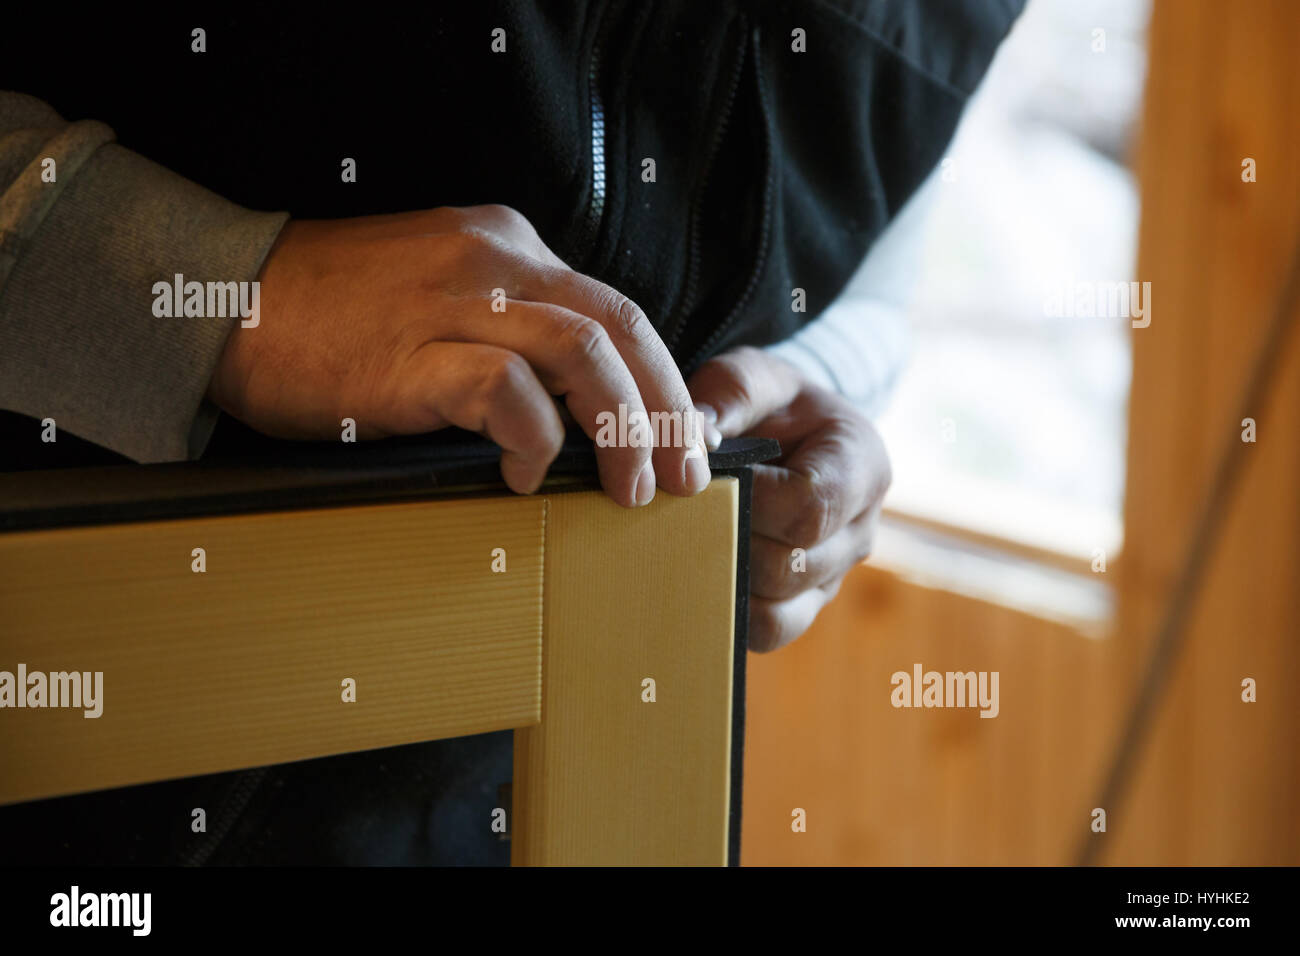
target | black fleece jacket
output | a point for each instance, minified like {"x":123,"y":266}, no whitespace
{"x":784,"y":135}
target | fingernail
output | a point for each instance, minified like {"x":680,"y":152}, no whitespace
{"x":708,"y":430}
{"x":695,"y":473}
{"x":645,"y":485}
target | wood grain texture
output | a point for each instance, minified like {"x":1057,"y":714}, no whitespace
{"x":243,"y":665}
{"x":1220,"y":782}
{"x":887,"y":786}
{"x":606,"y":778}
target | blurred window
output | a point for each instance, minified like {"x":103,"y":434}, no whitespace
{"x":1010,"y":419}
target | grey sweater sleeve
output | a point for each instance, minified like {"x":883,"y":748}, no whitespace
{"x":79,"y":256}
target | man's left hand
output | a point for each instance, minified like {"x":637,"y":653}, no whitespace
{"x":822,"y":496}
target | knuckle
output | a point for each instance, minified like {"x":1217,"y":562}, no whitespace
{"x":546,"y":442}
{"x":508,"y":216}
{"x":820,"y":513}
{"x":741,"y":381}
{"x":629,"y":321}
{"x":505,"y":379}
{"x":586,"y":337}
{"x":470,"y":246}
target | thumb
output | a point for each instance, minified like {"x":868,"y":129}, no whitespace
{"x":744,"y":386}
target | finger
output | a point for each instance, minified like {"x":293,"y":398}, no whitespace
{"x":573,"y":356}
{"x":744,"y":386}
{"x":708,"y":417}
{"x":780,"y":572}
{"x":827,"y":479}
{"x":484,"y":389}
{"x":680,"y":454}
{"x":774,"y":624}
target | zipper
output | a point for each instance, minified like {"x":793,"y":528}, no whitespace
{"x":596,"y":107}
{"x":769,"y":182}
{"x":691,"y":292}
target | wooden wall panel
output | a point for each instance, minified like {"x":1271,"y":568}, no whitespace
{"x":1222,"y":780}
{"x":916,"y":786}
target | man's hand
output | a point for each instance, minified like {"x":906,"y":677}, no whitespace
{"x":388,"y":320}
{"x":822,"y":496}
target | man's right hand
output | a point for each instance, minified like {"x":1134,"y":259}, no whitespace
{"x":388,"y":320}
